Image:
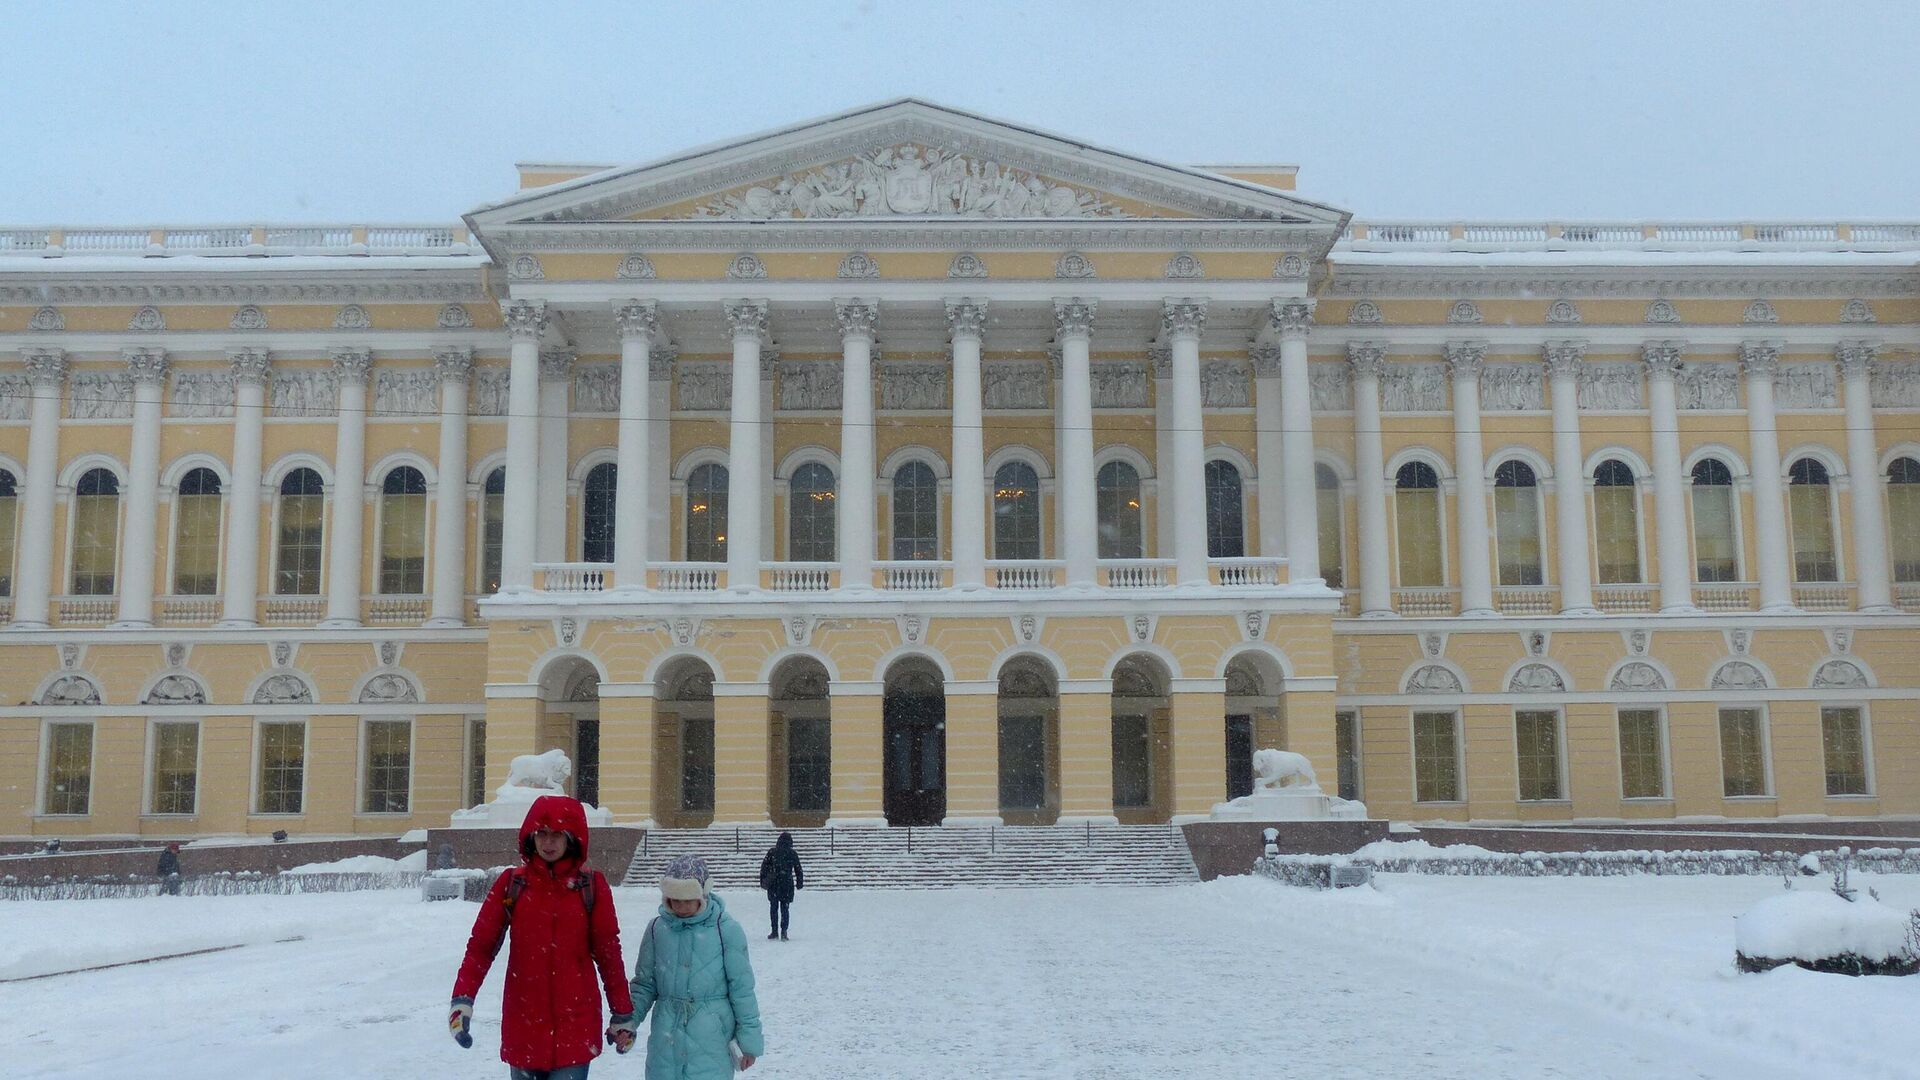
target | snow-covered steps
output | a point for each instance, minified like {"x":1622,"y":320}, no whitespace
{"x":933,"y":858}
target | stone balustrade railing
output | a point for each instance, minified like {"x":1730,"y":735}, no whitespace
{"x":239,"y":240}
{"x":1136,"y":573}
{"x":1648,"y":236}
{"x":573,"y":577}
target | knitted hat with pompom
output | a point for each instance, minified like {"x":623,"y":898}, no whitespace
{"x":685,"y":878}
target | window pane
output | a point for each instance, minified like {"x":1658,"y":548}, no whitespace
{"x":596,"y":514}
{"x":176,"y":749}
{"x":302,"y":517}
{"x":69,"y":768}
{"x":810,"y":514}
{"x":707,"y":514}
{"x":696,"y":765}
{"x":493,"y":526}
{"x":1023,"y":762}
{"x":403,"y":533}
{"x":1516,"y":516}
{"x":1117,"y":510}
{"x":916,"y":512}
{"x":476,"y":762}
{"x":1327,"y":510}
{"x":1132,"y":762}
{"x":9,"y":508}
{"x":1226,"y":518}
{"x":1417,"y":511}
{"x":1436,"y":758}
{"x":1742,"y":754}
{"x":282,"y":766}
{"x":1537,"y":735}
{"x":196,"y":545}
{"x":1346,"y":752}
{"x":1811,"y":509}
{"x":809,"y":765}
{"x":1016,"y":512}
{"x":1616,"y":533}
{"x":1845,"y":747}
{"x":1903,"y":518}
{"x":389,"y":766}
{"x":1643,"y":773}
{"x":1716,"y":553}
{"x":96,"y":533}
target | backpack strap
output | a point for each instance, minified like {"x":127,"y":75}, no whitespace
{"x":516,"y":884}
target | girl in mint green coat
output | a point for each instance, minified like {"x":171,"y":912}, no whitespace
{"x":694,"y":976}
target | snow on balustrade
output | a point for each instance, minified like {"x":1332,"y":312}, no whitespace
{"x":309,"y":238}
{"x":292,"y":610}
{"x":1602,"y":234}
{"x":1698,"y":234}
{"x":28,"y":240}
{"x":105,"y":240}
{"x":913,"y":575}
{"x":1526,"y":599}
{"x":1504,"y":234}
{"x":207,"y":239}
{"x":580,"y":577}
{"x":1425,"y":601}
{"x":383,"y":239}
{"x":1796,"y":234}
{"x":85,"y":610}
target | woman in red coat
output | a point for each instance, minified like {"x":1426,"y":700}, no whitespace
{"x":563,"y":928}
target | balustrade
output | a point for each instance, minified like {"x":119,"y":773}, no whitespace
{"x":914,"y":575}
{"x":291,"y":610}
{"x":1624,"y":599}
{"x":1824,"y":596}
{"x":1725,"y":595}
{"x":1024,"y":573}
{"x":1908,"y":597}
{"x":1436,"y":600}
{"x":1136,"y":573}
{"x":1247,"y":571}
{"x":801,"y":576}
{"x":385,"y":610}
{"x":688,"y":577}
{"x":189,"y":610}
{"x":85,"y":610}
{"x":1526,"y":599}
{"x":580,"y":577}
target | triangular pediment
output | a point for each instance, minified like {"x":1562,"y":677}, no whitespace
{"x":905,"y":159}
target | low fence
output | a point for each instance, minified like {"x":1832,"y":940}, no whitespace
{"x":1316,"y":872}
{"x":247,"y":883}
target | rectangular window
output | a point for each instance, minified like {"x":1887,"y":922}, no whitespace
{"x":1346,"y":752}
{"x":476,"y":761}
{"x":69,"y":768}
{"x":493,"y":530}
{"x":696,"y":765}
{"x":586,"y":759}
{"x":8,"y":519}
{"x":302,"y":519}
{"x":1516,"y":517}
{"x":1536,"y":734}
{"x":1616,"y":540}
{"x":1843,"y":738}
{"x":1436,"y":757}
{"x":1903,"y":521}
{"x":283,"y":766}
{"x":1332,"y":551}
{"x":1714,"y":554}
{"x":403,"y":544}
{"x":1417,"y":513}
{"x":389,"y":779}
{"x":1132,"y":761}
{"x":1743,"y":754}
{"x":176,"y":766}
{"x":196,"y":551}
{"x":1239,"y":755}
{"x":1810,"y":507}
{"x":96,"y":525}
{"x":1643,"y":771}
{"x":1023,"y":762}
{"x":809,"y":765}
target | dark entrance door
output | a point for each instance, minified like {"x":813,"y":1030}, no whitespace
{"x":1239,"y":756}
{"x":916,"y":757}
{"x":586,"y":768}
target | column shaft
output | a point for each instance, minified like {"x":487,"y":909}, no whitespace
{"x":33,"y":580}
{"x":854,"y":736}
{"x":1292,"y":321}
{"x":148,"y":367}
{"x":241,"y":585}
{"x":1758,"y":361}
{"x":741,"y":756}
{"x":1865,"y":482}
{"x":631,"y":527}
{"x":351,"y":368}
{"x":967,"y":320}
{"x":855,"y":503}
{"x":525,"y":322}
{"x":1675,"y":567}
{"x":1270,"y":502}
{"x":744,"y":489}
{"x":1199,"y":753}
{"x":550,"y":501}
{"x":1470,"y":486}
{"x":1086,"y":759}
{"x":1376,"y":595}
{"x":626,"y":755}
{"x":659,"y":504}
{"x":1181,"y":323}
{"x":1570,"y":539}
{"x":455,"y":367}
{"x":973,"y":759}
{"x":1074,"y":421}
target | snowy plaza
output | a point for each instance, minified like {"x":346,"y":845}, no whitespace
{"x":1425,"y":976}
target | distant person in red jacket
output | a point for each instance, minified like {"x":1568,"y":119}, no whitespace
{"x":563,"y":928}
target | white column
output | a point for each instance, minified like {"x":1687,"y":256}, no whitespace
{"x":525,"y":323}
{"x":1669,"y":483}
{"x":1758,"y":362}
{"x":550,"y":501}
{"x":967,"y":322}
{"x":1865,"y":481}
{"x":1181,"y":322}
{"x":241,"y":587}
{"x":660,"y":453}
{"x":1571,"y":540}
{"x":351,"y":367}
{"x":1470,"y":484}
{"x":638,"y":323}
{"x":33,"y":579}
{"x":857,"y":320}
{"x":1291,"y":320}
{"x":748,"y":320}
{"x":1369,"y":466}
{"x":148,"y":370}
{"x":1073,"y":419}
{"x":1267,"y":451}
{"x":455,"y":367}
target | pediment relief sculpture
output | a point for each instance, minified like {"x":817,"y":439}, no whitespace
{"x":909,"y":180}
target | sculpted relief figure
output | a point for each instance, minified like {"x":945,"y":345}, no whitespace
{"x":303,"y":392}
{"x":406,"y":392}
{"x":596,"y":388}
{"x":806,"y":385}
{"x":1414,"y":388}
{"x":1708,"y":386}
{"x":1806,"y":386}
{"x":913,"y":386}
{"x":913,"y":181}
{"x":489,"y":392}
{"x":1332,"y":387}
{"x":203,"y":393}
{"x":1512,"y":386}
{"x":1119,"y":384}
{"x":99,"y":395}
{"x":14,"y":397}
{"x":1610,"y":386}
{"x":1014,"y":385}
{"x":706,"y":387}
{"x":1896,"y":383}
{"x":1223,"y":384}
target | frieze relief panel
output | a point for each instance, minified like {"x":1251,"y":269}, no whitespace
{"x":810,"y":385}
{"x":304,"y":392}
{"x":913,"y":386}
{"x":1014,"y":384}
{"x":1896,"y":384}
{"x":488,"y":397}
{"x":1707,"y":386}
{"x":202,"y":393}
{"x":1223,"y":384}
{"x":1420,"y":387}
{"x":1806,"y":386}
{"x":909,"y":180}
{"x":406,"y":392}
{"x":15,"y":397}
{"x":1332,"y":387}
{"x":1611,"y":386}
{"x":1512,"y":387}
{"x":596,"y":388}
{"x":705,"y":387}
{"x":1120,"y":384}
{"x":99,"y":395}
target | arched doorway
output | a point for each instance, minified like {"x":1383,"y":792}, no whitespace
{"x":1142,"y":745}
{"x":914,"y":734}
{"x":802,"y":757}
{"x":683,"y":750}
{"x":570,"y":721}
{"x":1029,"y":708}
{"x":1253,"y":717}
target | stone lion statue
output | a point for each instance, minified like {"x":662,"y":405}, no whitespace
{"x":1274,"y":769}
{"x":542,"y":772}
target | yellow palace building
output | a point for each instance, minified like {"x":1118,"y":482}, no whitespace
{"x":910,"y":467}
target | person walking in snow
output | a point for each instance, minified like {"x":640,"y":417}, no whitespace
{"x":169,"y":870}
{"x":781,"y":876}
{"x":557,"y":915}
{"x":694,"y":975}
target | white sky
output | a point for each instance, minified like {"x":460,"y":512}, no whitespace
{"x":380,"y":111}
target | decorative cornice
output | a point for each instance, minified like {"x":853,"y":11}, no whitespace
{"x":1648,"y":282}
{"x":1856,"y":358}
{"x":1266,"y":361}
{"x":352,"y":365}
{"x":1465,"y":358}
{"x":1563,"y":358}
{"x":856,"y":318}
{"x":526,"y":319}
{"x":1662,"y":358}
{"x":1291,"y":318}
{"x":454,"y":364}
{"x":747,"y":318}
{"x":1073,"y":316}
{"x":1759,"y":359}
{"x":917,"y":234}
{"x":556,"y":365}
{"x":1368,"y":359}
{"x":264,"y":286}
{"x":1186,"y":316}
{"x":45,"y":364}
{"x":967,"y":316}
{"x":636,"y":318}
{"x":251,"y":364}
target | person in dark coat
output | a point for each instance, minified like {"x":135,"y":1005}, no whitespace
{"x":169,"y":870}
{"x":781,"y":877}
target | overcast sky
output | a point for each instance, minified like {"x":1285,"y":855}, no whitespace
{"x":343,"y":111}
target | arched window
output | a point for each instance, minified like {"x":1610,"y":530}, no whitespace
{"x":596,"y":513}
{"x":196,"y":534}
{"x":1716,"y":545}
{"x":707,"y":514}
{"x":1810,"y":501}
{"x":1117,"y":510}
{"x":1903,"y":517}
{"x":298,"y":547}
{"x":1016,"y":512}
{"x":916,"y":512}
{"x":96,"y":532}
{"x":403,"y":532}
{"x":1616,"y":523}
{"x":1333,"y":551}
{"x":493,"y":528}
{"x":1516,"y":520}
{"x":1226,"y":515}
{"x":810,"y":514}
{"x":9,"y":504}
{"x":1416,"y":511}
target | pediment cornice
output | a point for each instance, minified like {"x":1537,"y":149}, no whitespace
{"x":1171,"y":234}
{"x":1377,"y":282}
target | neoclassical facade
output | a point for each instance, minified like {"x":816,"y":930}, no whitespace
{"x":912,"y":467}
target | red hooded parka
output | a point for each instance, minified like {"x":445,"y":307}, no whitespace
{"x":551,"y":1012}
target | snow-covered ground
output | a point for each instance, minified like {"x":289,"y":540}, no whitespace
{"x":1427,"y":977}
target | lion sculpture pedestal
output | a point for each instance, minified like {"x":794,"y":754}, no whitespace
{"x":528,"y":777}
{"x":1285,"y":789}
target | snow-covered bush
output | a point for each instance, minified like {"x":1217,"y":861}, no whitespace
{"x":1465,"y":860}
{"x":1822,"y":930}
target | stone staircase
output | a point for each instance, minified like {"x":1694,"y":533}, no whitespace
{"x":932,"y":857}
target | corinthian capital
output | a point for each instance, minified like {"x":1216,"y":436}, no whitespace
{"x":1563,"y":358}
{"x":1369,"y":359}
{"x":1184,"y":316}
{"x":250,"y":365}
{"x":1266,"y":361}
{"x":455,"y":364}
{"x":660,"y":361}
{"x":352,"y":365}
{"x":44,"y":364}
{"x":1464,"y":359}
{"x":1161,"y":357}
{"x":967,"y":316}
{"x":1662,"y":357}
{"x":1856,"y":358}
{"x":556,"y":364}
{"x":857,"y":318}
{"x":747,"y":318}
{"x":526,"y":319}
{"x":637,"y":318}
{"x":146,"y":365}
{"x":1291,"y":318}
{"x":1759,"y":359}
{"x":1073,"y":316}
